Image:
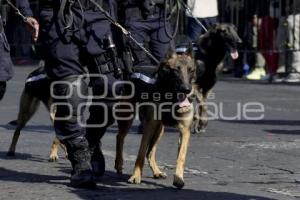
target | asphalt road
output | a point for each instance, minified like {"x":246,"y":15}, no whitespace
{"x":235,"y":159}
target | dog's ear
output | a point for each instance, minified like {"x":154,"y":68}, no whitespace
{"x":223,"y":27}
{"x":171,"y":54}
{"x":215,"y":27}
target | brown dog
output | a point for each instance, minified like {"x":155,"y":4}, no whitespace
{"x":176,"y":77}
{"x":37,"y":89}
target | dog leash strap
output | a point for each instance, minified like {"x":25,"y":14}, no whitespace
{"x":189,"y":10}
{"x":124,"y":31}
{"x":18,"y":12}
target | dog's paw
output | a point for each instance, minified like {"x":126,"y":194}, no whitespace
{"x":119,"y":169}
{"x":135,"y":180}
{"x":119,"y":166}
{"x":10,"y":153}
{"x":53,"y":158}
{"x":161,"y":175}
{"x":178,"y":182}
{"x":197,"y":130}
{"x":198,"y":127}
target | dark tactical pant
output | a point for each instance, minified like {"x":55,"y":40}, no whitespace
{"x":152,"y":33}
{"x":65,"y":52}
{"x":6,"y":66}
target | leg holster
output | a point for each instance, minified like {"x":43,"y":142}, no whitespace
{"x":105,"y":63}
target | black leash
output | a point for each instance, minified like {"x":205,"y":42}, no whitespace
{"x":166,"y":18}
{"x":124,"y":31}
{"x":189,"y":10}
{"x":18,"y":12}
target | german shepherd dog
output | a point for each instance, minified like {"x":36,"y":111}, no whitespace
{"x":175,"y":76}
{"x":37,"y":89}
{"x":211,"y":49}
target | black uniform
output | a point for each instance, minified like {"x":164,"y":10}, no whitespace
{"x":6,"y":70}
{"x":74,"y":34}
{"x":149,"y":23}
{"x":6,"y":66}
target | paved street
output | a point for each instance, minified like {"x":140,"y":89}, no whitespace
{"x":235,"y":159}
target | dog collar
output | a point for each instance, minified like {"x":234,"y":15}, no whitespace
{"x":36,"y":78}
{"x":143,"y":78}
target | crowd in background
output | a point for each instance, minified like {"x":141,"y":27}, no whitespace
{"x":270,"y":30}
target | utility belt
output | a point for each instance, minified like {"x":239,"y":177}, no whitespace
{"x":81,"y":4}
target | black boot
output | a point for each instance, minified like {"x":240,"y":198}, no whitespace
{"x":97,"y":159}
{"x":80,"y":157}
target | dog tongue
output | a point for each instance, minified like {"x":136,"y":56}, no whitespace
{"x":185,"y":103}
{"x":234,"y":54}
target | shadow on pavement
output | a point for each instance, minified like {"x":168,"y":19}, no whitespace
{"x":265,"y":122}
{"x":113,"y":187}
{"x":284,"y":132}
{"x":21,"y":156}
{"x":31,"y":128}
{"x":25,"y":177}
{"x":160,"y":193}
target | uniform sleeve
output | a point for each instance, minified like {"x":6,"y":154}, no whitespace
{"x":24,"y":7}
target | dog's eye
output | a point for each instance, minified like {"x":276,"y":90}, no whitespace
{"x":192,"y":70}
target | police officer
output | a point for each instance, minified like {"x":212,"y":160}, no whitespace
{"x":149,"y":23}
{"x":6,"y":66}
{"x":6,"y":70}
{"x":74,"y":34}
{"x":105,"y":93}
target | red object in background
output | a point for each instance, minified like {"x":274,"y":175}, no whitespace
{"x":266,"y":42}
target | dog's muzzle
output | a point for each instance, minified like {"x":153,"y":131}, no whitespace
{"x":184,"y":104}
